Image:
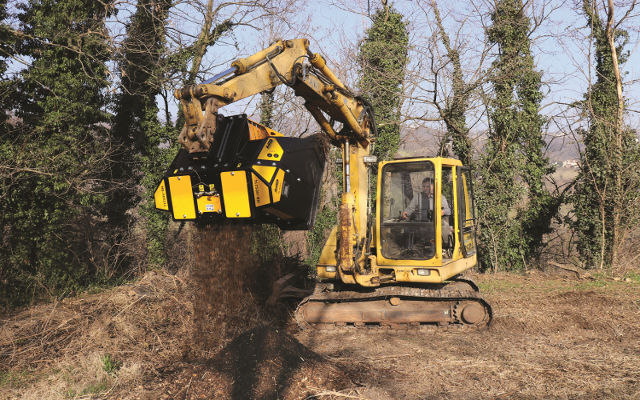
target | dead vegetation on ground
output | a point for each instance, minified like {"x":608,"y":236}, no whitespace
{"x":205,"y":333}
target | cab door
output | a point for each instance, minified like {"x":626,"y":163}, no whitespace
{"x":466,"y":213}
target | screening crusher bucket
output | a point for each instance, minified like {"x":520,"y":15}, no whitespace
{"x":251,"y":174}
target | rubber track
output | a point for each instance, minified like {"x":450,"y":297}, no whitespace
{"x":444,"y":294}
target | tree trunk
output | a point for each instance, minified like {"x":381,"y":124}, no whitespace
{"x":618,"y":166}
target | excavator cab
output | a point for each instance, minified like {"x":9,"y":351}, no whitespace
{"x":426,"y":220}
{"x":425,"y":229}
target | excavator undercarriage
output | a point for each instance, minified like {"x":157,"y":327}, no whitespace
{"x":453,"y":304}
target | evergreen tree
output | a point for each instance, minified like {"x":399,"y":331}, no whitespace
{"x":137,"y":131}
{"x":383,"y":60}
{"x":604,"y":190}
{"x":53,"y":200}
{"x":515,"y":208}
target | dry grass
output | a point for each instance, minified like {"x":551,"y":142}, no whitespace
{"x":156,"y":330}
{"x":551,"y":338}
{"x":56,"y":350}
{"x":204,"y":334}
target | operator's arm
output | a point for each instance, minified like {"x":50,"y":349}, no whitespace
{"x":411,"y":208}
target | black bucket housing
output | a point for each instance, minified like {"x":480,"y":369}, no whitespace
{"x":251,"y":174}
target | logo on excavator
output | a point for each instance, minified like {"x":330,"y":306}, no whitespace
{"x":163,"y":192}
{"x":256,"y":190}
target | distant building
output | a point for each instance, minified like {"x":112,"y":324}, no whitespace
{"x":570,"y":164}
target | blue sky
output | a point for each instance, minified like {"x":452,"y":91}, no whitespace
{"x":335,"y":28}
{"x":560,"y":46}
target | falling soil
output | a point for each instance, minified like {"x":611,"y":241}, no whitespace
{"x":207,"y":334}
{"x":230,"y":288}
{"x":222,"y":304}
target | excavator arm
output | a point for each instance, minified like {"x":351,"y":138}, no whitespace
{"x":234,"y":169}
{"x":287,"y":62}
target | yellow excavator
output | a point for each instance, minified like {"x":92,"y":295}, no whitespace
{"x":393,"y":259}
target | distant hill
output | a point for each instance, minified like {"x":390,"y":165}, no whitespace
{"x":423,"y":141}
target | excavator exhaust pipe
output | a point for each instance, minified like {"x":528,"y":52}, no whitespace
{"x":250,"y":174}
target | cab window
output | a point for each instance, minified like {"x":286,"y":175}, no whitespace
{"x":408,"y":223}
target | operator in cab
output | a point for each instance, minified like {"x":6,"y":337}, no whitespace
{"x":421,"y":206}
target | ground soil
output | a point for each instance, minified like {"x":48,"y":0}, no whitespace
{"x":184,"y":337}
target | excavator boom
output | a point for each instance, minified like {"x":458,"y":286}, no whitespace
{"x":286,"y":62}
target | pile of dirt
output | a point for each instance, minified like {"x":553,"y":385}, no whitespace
{"x":144,"y":339}
{"x":262,"y":363}
{"x":65,"y":348}
{"x":223,"y":307}
{"x":232,"y":288}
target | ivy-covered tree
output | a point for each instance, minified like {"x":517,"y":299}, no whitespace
{"x":7,"y":42}
{"x":7,"y":271}
{"x":383,"y":60}
{"x":606,"y":189}
{"x":514,"y":206}
{"x":52,"y":195}
{"x":141,"y":160}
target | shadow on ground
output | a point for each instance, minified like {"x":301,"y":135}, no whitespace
{"x":262,"y":363}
